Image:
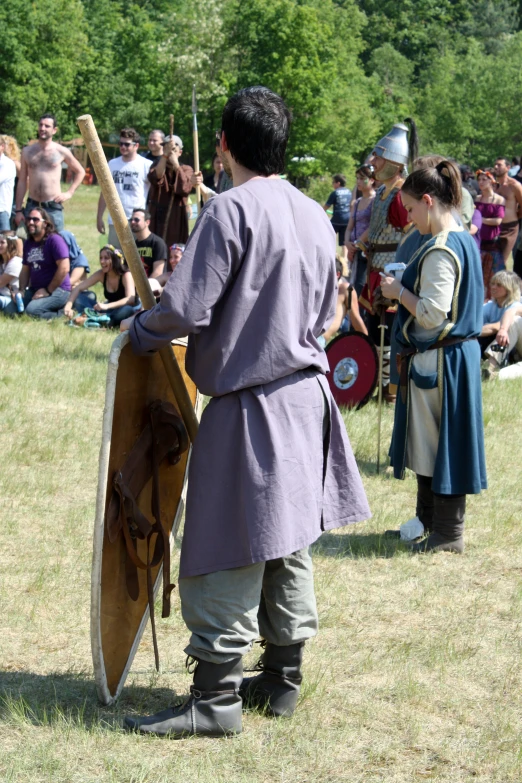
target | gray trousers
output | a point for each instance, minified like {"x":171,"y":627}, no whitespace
{"x":225,"y":611}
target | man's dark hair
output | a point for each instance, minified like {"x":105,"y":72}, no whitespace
{"x":340,"y":178}
{"x":256,"y":123}
{"x":50,"y":228}
{"x":48,"y":117}
{"x":501,"y":157}
{"x":146,"y":212}
{"x":131,"y":134}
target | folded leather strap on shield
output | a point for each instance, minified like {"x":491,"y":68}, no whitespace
{"x":163,"y":437}
{"x":404,"y":356}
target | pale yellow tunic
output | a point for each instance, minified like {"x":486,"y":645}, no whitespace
{"x":437,"y":284}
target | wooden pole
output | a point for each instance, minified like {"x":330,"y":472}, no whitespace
{"x":382,"y":327}
{"x":130,"y":251}
{"x":196,"y":144}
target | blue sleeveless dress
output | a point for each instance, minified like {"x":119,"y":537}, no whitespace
{"x":460,"y":466}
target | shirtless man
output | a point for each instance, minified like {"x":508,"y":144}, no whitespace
{"x":511,"y":190}
{"x":41,"y":170}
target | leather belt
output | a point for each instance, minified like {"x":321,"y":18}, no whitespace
{"x":390,"y":247}
{"x":403,"y":356}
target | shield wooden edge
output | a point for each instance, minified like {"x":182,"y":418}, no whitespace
{"x":117,"y":622}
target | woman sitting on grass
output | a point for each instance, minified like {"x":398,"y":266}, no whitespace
{"x":502,"y":328}
{"x":118,"y":287}
{"x":10,"y":268}
{"x":347,"y":313}
{"x":175,"y":255}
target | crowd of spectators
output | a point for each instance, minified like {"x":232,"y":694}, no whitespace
{"x":492,"y":213}
{"x":44,"y":272}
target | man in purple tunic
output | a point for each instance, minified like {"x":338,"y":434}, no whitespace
{"x":271,"y":467}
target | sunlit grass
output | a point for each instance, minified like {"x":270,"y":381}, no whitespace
{"x":415,"y":674}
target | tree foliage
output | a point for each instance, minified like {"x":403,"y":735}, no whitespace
{"x":348,"y":69}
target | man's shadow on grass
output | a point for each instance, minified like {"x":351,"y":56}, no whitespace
{"x":356,"y":547}
{"x":70,"y":700}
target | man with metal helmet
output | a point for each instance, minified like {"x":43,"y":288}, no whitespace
{"x":388,"y":220}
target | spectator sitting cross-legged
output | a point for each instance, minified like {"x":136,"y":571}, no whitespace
{"x":10,"y":268}
{"x":44,"y":279}
{"x":502,"y":323}
{"x":118,"y":287}
{"x":79,"y":271}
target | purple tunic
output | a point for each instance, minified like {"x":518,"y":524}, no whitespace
{"x":254,"y":290}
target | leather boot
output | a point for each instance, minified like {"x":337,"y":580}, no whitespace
{"x":425,"y":502}
{"x":212,"y":709}
{"x":277,"y":687}
{"x":425,"y":506}
{"x":448,"y":525}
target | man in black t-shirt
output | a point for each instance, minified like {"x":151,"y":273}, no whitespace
{"x":151,"y":247}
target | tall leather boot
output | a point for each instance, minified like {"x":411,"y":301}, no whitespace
{"x":425,"y":502}
{"x":277,"y":687}
{"x":423,"y":510}
{"x":448,"y":525}
{"x":212,"y":709}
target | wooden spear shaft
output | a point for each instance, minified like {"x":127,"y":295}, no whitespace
{"x":196,"y":165}
{"x":121,"y":224}
{"x":196,"y":144}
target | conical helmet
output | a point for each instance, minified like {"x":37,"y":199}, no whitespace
{"x":394,"y":146}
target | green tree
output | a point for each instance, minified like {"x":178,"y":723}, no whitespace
{"x":470,"y":106}
{"x":307,"y":52}
{"x":42,"y":49}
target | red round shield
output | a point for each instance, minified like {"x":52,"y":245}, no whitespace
{"x":354,"y":369}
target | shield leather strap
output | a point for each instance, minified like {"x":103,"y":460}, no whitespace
{"x":404,"y":356}
{"x":164,"y":436}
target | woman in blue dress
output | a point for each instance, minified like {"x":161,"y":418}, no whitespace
{"x":438,"y":430}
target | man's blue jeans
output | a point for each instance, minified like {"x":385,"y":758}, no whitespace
{"x":48,"y":307}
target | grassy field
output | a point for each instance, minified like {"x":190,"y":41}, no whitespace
{"x":415,"y":674}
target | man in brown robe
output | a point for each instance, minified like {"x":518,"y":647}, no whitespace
{"x":171,"y":183}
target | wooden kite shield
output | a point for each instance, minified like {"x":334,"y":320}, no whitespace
{"x":142,"y":476}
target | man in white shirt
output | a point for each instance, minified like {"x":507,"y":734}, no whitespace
{"x":129,"y":173}
{"x":7,"y":181}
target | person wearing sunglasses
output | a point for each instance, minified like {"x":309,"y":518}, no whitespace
{"x":44,"y":280}
{"x":129,"y":172}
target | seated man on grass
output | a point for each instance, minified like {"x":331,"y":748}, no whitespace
{"x":44,"y":280}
